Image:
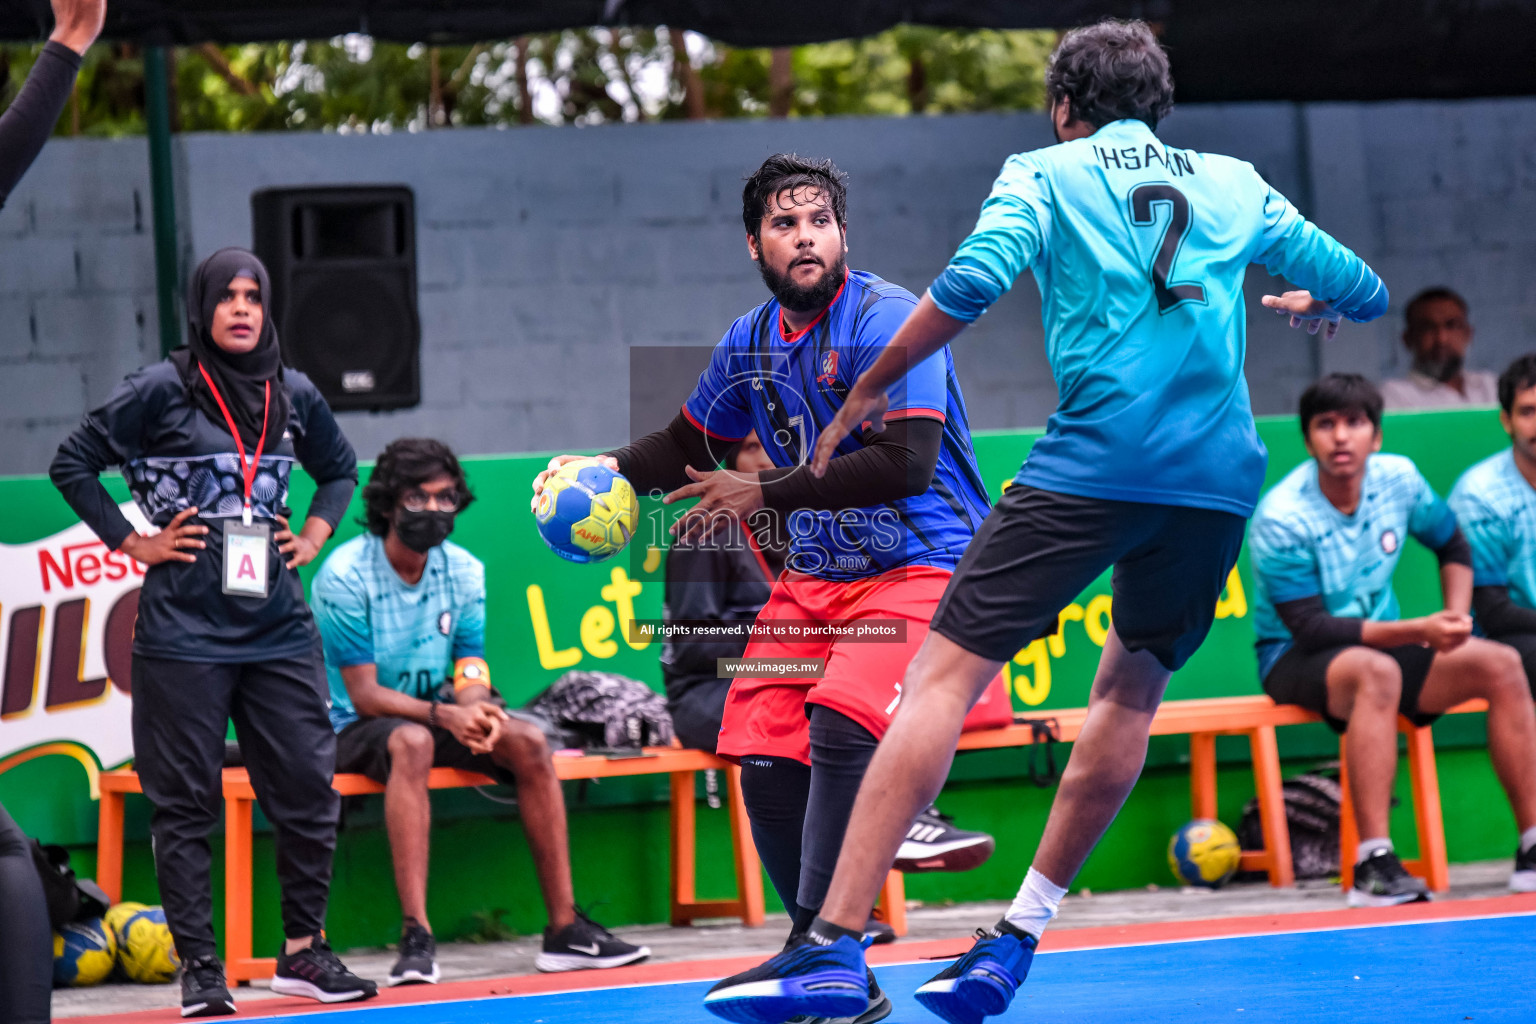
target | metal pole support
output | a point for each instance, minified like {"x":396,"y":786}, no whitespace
{"x":162,"y":185}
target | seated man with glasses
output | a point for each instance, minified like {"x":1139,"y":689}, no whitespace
{"x":401,"y":612}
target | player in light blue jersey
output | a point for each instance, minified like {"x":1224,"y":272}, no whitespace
{"x":401,"y":612}
{"x":1495,"y":502}
{"x":1150,"y":464}
{"x":1324,"y":544}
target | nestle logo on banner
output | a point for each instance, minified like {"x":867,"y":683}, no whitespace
{"x":84,"y":564}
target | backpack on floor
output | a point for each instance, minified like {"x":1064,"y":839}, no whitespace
{"x":68,"y":898}
{"x":1311,"y":817}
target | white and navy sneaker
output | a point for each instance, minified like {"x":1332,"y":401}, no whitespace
{"x":203,"y":989}
{"x":1382,"y":881}
{"x":878,"y":1009}
{"x":417,"y":964}
{"x":314,"y":972}
{"x":1524,"y":877}
{"x":933,"y":843}
{"x":982,"y":982}
{"x":583,"y":945}
{"x":806,"y":980}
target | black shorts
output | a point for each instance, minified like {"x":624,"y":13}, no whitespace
{"x":1525,"y":643}
{"x":1038,"y":550}
{"x":363,"y":747}
{"x":1302,"y":679}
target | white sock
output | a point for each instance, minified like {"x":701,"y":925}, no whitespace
{"x":1035,"y":904}
{"x":1528,"y":839}
{"x":1368,"y":847}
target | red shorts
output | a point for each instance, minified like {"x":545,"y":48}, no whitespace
{"x":862,"y":679}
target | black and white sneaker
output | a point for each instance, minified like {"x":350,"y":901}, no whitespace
{"x":878,"y":932}
{"x":1524,"y":877}
{"x":417,"y":964}
{"x":203,"y":990}
{"x":1382,"y":881}
{"x":933,"y":843}
{"x":314,"y":972}
{"x":584,"y":944}
{"x":879,"y":1008}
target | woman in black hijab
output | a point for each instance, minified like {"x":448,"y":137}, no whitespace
{"x":206,"y":440}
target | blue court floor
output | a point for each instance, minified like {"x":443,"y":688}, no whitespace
{"x":1436,"y":972}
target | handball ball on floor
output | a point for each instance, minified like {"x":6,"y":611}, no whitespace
{"x":145,"y":949}
{"x":1204,"y":853}
{"x":587,"y":512}
{"x":83,"y":953}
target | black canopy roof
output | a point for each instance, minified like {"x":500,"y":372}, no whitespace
{"x":1221,"y":49}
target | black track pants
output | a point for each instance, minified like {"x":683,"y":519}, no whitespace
{"x":180,"y":710}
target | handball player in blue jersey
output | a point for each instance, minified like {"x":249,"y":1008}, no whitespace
{"x":873,"y":541}
{"x":1151,"y":464}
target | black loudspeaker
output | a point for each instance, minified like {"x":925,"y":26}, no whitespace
{"x":343,"y":266}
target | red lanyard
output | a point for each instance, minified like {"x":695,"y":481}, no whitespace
{"x":247,"y":472}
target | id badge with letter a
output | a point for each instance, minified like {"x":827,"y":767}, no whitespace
{"x":245,"y":558}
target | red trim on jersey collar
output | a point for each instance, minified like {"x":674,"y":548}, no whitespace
{"x":789,"y":338}
{"x":718,"y":437}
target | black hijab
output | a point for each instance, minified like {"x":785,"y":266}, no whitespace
{"x":240,"y":377}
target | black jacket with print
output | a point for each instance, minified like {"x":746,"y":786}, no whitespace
{"x":175,"y":457}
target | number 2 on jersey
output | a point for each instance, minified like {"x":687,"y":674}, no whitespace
{"x":1143,"y":214}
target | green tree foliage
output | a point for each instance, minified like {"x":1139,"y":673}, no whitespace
{"x":591,"y":76}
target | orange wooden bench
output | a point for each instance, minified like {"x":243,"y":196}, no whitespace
{"x":239,"y":798}
{"x":1201,"y":719}
{"x":1256,"y":717}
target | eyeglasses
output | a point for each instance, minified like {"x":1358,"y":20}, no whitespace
{"x":419,"y":500}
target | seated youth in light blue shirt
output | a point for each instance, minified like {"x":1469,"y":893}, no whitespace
{"x":1495,"y":502}
{"x":401,"y":611}
{"x":1324,"y":543}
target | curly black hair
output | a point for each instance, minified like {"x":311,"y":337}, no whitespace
{"x":405,"y":463}
{"x":1110,"y":71}
{"x":788,"y":171}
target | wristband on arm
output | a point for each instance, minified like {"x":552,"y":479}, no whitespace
{"x":471,"y":672}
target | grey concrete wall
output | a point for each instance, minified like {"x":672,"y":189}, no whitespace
{"x":546,"y":255}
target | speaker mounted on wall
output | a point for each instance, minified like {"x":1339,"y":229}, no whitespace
{"x":343,"y":265}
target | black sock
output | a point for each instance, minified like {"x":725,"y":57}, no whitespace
{"x":840,"y":752}
{"x":775,"y":790}
{"x":824,"y":933}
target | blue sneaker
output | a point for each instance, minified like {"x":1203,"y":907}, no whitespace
{"x":805,"y":979}
{"x":981,"y":983}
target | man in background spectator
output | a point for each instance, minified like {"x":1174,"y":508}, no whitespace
{"x":1437,"y":332}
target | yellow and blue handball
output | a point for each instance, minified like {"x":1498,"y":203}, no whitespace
{"x":1204,"y":853}
{"x":145,"y":949}
{"x":587,"y":512}
{"x":83,"y":953}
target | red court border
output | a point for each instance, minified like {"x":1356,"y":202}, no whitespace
{"x":1060,"y":941}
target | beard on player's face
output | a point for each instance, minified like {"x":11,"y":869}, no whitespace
{"x":804,"y":298}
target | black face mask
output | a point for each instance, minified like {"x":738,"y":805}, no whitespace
{"x":423,"y":531}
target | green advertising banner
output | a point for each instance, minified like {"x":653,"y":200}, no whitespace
{"x":64,"y":645}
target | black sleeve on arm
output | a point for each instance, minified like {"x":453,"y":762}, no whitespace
{"x":1314,"y":629}
{"x":896,"y":463}
{"x":659,"y":461}
{"x":1498,"y":614}
{"x":1455,"y":551}
{"x":76,"y":472}
{"x":26,"y":125}
{"x":327,"y":456}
